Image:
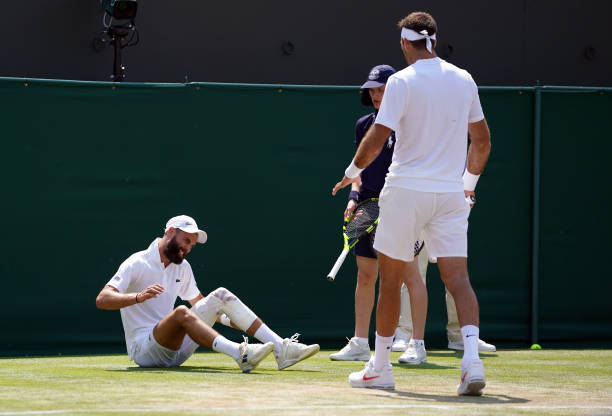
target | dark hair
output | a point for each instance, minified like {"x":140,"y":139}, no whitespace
{"x":419,"y":21}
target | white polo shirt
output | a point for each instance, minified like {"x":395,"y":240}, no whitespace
{"x":142,"y":270}
{"x":429,"y":105}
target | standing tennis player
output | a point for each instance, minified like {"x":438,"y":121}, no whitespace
{"x":431,"y":105}
{"x":145,"y":289}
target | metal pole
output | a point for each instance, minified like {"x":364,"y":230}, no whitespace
{"x":535,"y":249}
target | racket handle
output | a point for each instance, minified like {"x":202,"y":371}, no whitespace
{"x":332,"y":274}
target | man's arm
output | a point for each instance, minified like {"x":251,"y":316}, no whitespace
{"x":368,"y":150}
{"x":111,"y":299}
{"x":480,"y":146}
{"x":478,"y":154}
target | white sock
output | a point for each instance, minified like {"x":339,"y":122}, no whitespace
{"x":224,"y":345}
{"x":382,"y":352}
{"x":363,"y":342}
{"x":419,"y":342}
{"x":470,"y":334}
{"x":265,"y":334}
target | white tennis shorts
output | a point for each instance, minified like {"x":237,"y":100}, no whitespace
{"x":406,"y":215}
{"x":147,"y":352}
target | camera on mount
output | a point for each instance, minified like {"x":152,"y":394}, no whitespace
{"x":120,"y":31}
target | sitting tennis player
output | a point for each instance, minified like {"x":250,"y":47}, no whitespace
{"x":145,"y":289}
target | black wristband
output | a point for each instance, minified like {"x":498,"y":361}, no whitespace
{"x":354,"y":195}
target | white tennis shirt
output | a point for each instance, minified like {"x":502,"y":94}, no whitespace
{"x":142,"y":270}
{"x":429,"y":105}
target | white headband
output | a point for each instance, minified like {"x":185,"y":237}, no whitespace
{"x":411,"y":35}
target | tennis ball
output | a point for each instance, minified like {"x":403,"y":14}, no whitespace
{"x":535,"y":347}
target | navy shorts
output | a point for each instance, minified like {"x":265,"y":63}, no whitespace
{"x":364,"y":247}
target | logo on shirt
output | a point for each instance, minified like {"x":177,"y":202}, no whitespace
{"x":117,"y":278}
{"x":178,"y":280}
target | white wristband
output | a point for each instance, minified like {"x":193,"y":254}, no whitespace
{"x":469,"y":181}
{"x":352,"y":171}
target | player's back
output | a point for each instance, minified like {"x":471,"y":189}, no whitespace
{"x":437,"y":100}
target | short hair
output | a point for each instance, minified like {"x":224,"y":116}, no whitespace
{"x":419,"y":21}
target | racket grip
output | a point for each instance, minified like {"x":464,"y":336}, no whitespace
{"x":332,"y":274}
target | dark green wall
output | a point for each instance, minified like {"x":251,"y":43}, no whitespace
{"x":91,"y":172}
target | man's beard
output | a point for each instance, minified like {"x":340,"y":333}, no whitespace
{"x":173,"y":251}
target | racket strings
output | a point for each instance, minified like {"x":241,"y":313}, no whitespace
{"x":363,"y":217}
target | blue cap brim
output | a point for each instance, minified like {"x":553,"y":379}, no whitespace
{"x":372,"y":84}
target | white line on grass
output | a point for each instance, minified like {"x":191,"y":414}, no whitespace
{"x":321,"y":407}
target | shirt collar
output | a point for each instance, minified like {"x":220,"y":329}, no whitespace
{"x":153,"y":252}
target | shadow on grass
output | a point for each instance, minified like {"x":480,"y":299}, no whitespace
{"x":422,"y":366}
{"x":458,"y":354}
{"x":484,"y":399}
{"x":204,"y":369}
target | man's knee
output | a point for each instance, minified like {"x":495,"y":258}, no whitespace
{"x":223,"y":294}
{"x":182,"y":313}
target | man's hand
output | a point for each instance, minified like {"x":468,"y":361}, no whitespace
{"x":150,"y":292}
{"x":350,"y":207}
{"x":345,"y":182}
{"x":470,"y":197}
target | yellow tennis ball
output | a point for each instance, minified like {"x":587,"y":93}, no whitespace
{"x":535,"y":347}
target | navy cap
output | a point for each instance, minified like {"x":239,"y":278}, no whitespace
{"x":377,"y":77}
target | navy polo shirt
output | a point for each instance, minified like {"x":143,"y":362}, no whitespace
{"x":373,"y":177}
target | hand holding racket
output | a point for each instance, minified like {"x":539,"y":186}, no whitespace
{"x":359,"y":224}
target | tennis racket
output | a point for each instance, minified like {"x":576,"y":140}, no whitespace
{"x":359,"y":224}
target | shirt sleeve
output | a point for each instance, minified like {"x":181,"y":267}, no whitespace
{"x":189,"y":290}
{"x":124,"y":276}
{"x":393,"y":104}
{"x":358,"y":132}
{"x":476,"y":113}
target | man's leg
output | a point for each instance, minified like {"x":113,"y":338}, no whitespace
{"x":170,"y":333}
{"x":379,"y":372}
{"x":358,"y":347}
{"x":453,"y":271}
{"x":223,"y":302}
{"x":392,"y":273}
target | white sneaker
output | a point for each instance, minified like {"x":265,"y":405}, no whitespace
{"x":292,"y":352}
{"x":252,"y":354}
{"x":472,"y":379}
{"x":399,"y":345}
{"x":371,"y":379}
{"x":482,"y":346}
{"x":353,"y":351}
{"x":415,"y":354}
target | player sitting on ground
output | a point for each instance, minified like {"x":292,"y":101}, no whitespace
{"x":145,"y":289}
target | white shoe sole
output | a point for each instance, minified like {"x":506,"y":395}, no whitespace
{"x":412,"y":362}
{"x":398,"y":349}
{"x":373,"y":386}
{"x":474,"y":388}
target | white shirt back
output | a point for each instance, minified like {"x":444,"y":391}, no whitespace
{"x":142,"y":270}
{"x":429,"y":105}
